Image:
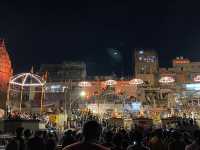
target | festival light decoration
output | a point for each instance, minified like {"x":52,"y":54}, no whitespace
{"x":110,"y":82}
{"x":84,"y":84}
{"x":136,"y":82}
{"x":27,"y":80}
{"x":166,"y":80}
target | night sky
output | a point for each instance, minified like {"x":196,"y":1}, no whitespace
{"x":103,"y":34}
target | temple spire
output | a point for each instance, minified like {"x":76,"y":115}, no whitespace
{"x":2,"y":43}
{"x":6,"y":67}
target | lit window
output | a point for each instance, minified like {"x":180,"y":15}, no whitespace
{"x":141,"y":52}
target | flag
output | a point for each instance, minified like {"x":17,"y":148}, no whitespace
{"x":32,"y":70}
{"x":46,"y":76}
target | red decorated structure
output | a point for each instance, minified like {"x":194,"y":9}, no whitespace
{"x":5,"y":67}
{"x":5,"y":72}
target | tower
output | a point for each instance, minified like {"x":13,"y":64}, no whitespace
{"x":146,"y":65}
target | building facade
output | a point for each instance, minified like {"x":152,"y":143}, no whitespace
{"x":183,"y":70}
{"x":152,"y":93}
{"x":75,"y":71}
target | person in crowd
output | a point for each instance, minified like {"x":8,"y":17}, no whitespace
{"x":91,"y":134}
{"x":156,"y":140}
{"x":117,"y":141}
{"x":27,"y":136}
{"x":18,"y":142}
{"x":114,"y":137}
{"x":68,"y":138}
{"x":125,"y":139}
{"x":37,"y":142}
{"x":44,"y":136}
{"x":196,"y":143}
{"x":107,"y":139}
{"x":137,"y":144}
{"x":51,"y":142}
{"x":177,"y":142}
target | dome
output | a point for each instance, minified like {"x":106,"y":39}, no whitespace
{"x":27,"y":80}
{"x":136,"y":81}
{"x":5,"y":66}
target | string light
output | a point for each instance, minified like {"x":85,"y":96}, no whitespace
{"x":38,"y":81}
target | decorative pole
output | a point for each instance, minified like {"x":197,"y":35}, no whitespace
{"x":8,"y":99}
{"x":21,"y":98}
{"x":41,"y":99}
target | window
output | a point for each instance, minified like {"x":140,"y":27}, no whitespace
{"x":140,"y":58}
{"x":141,"y":52}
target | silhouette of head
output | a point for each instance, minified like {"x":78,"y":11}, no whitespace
{"x":38,"y":133}
{"x":117,"y":140}
{"x":91,"y":130}
{"x":138,"y":137}
{"x":19,"y":131}
{"x":50,"y":135}
{"x":27,"y":133}
{"x":68,"y":133}
{"x":108,"y":136}
{"x":197,"y":135}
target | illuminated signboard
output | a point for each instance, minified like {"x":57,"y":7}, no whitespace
{"x":136,"y":106}
{"x":194,"y":86}
{"x":55,"y":88}
{"x":181,"y":61}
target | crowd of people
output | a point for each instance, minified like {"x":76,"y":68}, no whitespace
{"x":95,"y":136}
{"x":15,"y":115}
